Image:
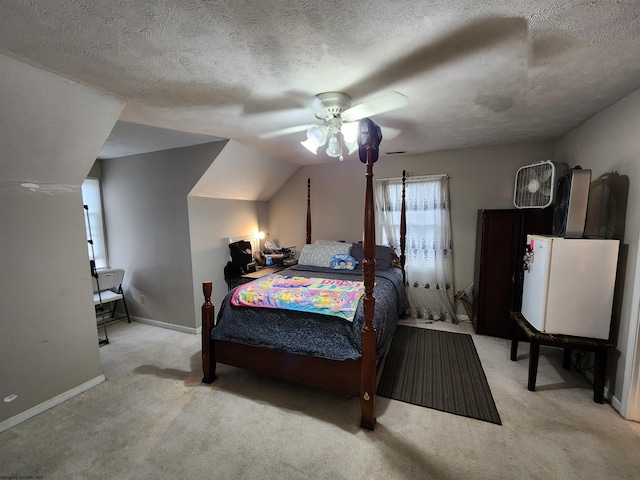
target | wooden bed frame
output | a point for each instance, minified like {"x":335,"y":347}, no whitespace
{"x":350,"y":377}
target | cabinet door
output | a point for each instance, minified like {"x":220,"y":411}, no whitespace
{"x":497,"y":258}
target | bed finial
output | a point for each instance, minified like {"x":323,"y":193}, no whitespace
{"x":308,"y":241}
{"x":208,"y":355}
{"x":369,"y":138}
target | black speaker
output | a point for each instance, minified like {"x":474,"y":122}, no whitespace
{"x":572,"y":197}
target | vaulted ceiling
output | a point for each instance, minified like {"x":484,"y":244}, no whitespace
{"x":475,"y":73}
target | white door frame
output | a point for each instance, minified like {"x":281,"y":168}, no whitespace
{"x":631,"y":384}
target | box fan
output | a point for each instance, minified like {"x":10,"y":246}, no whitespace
{"x":535,"y":185}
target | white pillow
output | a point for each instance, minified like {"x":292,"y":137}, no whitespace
{"x":321,"y":255}
{"x":329,"y":242}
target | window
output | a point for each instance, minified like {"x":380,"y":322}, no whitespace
{"x":93,"y":222}
{"x":429,"y":266}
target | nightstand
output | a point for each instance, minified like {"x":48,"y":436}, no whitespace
{"x":233,"y":282}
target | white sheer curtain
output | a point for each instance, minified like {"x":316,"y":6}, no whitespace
{"x":429,"y":256}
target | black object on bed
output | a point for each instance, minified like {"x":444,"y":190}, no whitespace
{"x":315,"y":334}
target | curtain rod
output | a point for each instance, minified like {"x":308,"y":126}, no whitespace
{"x":418,"y":178}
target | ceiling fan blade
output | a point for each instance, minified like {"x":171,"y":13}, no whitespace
{"x":388,"y":133}
{"x":315,"y":104}
{"x":473,"y":36}
{"x":285,"y":131}
{"x":381,"y":104}
{"x":289,"y":101}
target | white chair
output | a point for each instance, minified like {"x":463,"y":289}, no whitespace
{"x":107,"y":289}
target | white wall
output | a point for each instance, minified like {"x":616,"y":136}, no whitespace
{"x":211,"y":223}
{"x":479,"y":178}
{"x":608,"y":143}
{"x":51,"y":130}
{"x":147,"y":224}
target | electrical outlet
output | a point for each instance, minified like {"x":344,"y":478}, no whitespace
{"x":142,"y":299}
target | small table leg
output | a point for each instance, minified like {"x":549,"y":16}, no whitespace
{"x":599,"y":374}
{"x":534,"y":353}
{"x":514,"y":346}
{"x":566,"y":358}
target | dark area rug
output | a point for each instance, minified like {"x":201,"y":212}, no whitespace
{"x":439,"y":370}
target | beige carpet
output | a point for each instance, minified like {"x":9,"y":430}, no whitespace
{"x":153,"y":419}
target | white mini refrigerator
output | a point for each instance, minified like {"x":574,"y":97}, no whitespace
{"x":568,"y":285}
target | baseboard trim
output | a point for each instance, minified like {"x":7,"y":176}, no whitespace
{"x":168,"y":326}
{"x":52,"y":402}
{"x":615,"y":402}
{"x":608,"y":395}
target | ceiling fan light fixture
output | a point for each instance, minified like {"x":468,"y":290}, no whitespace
{"x":350,"y":132}
{"x":334,"y":149}
{"x":318,"y":133}
{"x":340,"y":121}
{"x":351,"y":146}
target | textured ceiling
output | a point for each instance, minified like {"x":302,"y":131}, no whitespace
{"x":475,"y":73}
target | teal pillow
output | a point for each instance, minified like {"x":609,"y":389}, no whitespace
{"x":342,"y":261}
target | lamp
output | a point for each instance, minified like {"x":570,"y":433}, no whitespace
{"x":337,"y":133}
{"x":259,"y":236}
{"x":350,"y":134}
{"x":316,"y":137}
{"x":334,"y":149}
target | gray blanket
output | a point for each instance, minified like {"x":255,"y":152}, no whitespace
{"x":315,"y":334}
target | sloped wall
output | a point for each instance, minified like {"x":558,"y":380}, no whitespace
{"x":51,"y":130}
{"x":147,"y":223}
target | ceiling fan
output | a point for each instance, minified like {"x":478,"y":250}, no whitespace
{"x":340,"y":121}
{"x":338,"y":116}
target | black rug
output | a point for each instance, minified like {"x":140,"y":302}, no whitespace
{"x":439,"y":370}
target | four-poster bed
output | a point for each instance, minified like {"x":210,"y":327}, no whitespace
{"x":349,"y":369}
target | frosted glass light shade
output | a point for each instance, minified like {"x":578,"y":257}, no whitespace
{"x":316,"y":137}
{"x":334,"y":149}
{"x":350,"y":132}
{"x":318,"y":133}
{"x":351,"y":146}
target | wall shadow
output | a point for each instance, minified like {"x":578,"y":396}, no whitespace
{"x":606,"y":218}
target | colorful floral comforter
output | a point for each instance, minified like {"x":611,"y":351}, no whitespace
{"x":307,"y":333}
{"x":325,"y":296}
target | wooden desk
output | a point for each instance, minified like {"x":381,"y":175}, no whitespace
{"x":259,"y":273}
{"x":525,"y":331}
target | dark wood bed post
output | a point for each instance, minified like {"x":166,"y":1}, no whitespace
{"x":403,"y":229}
{"x":208,"y":353}
{"x":368,"y":371}
{"x":308,"y":211}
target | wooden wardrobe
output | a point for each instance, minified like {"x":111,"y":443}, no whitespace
{"x":500,"y":246}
